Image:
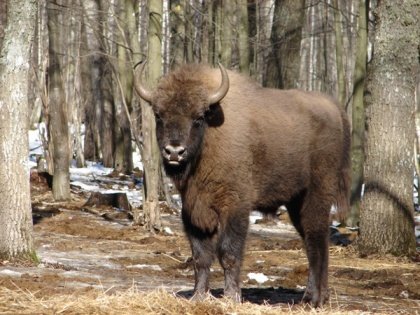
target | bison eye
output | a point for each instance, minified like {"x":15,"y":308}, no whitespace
{"x":198,"y":121}
{"x":158,"y":118}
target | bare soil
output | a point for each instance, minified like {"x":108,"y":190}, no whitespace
{"x":83,"y":251}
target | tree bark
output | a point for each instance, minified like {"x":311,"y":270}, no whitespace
{"x":15,"y":203}
{"x":151,"y":154}
{"x":286,"y":36}
{"x":341,"y":84}
{"x":93,"y":71}
{"x":58,"y":120}
{"x":226,"y":36}
{"x":358,"y":117}
{"x":386,"y":218}
{"x":178,"y":39}
{"x":243,"y":40}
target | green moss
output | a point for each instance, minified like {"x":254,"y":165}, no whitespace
{"x":33,"y":257}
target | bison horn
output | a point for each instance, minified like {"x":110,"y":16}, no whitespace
{"x":223,"y":89}
{"x":141,"y":90}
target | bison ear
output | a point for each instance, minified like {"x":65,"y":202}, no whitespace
{"x":214,"y":115}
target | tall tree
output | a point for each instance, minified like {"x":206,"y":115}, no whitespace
{"x":226,"y":35}
{"x":339,"y":49}
{"x":57,"y":109}
{"x":93,"y":70}
{"x":177,"y":22}
{"x":386,"y":218}
{"x":286,"y":36}
{"x":243,"y":40}
{"x":15,"y":203}
{"x":151,"y":154}
{"x":358,"y":116}
{"x":3,"y":20}
{"x":127,"y":46}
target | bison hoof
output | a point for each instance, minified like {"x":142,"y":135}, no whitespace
{"x":316,"y":300}
{"x":200,"y":296}
{"x":234,"y":296}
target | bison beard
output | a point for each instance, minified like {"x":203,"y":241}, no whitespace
{"x":234,"y":146}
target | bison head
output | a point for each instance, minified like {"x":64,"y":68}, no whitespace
{"x":184,"y":106}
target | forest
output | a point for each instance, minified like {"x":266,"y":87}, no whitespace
{"x":68,"y":70}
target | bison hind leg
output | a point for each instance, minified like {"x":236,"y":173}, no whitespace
{"x":309,"y":213}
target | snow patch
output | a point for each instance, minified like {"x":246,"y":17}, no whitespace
{"x":254,"y":216}
{"x":259,"y":277}
{"x":168,"y":230}
{"x":10,"y":273}
{"x":143,"y":266}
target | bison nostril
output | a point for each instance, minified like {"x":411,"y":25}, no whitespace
{"x":174,"y":151}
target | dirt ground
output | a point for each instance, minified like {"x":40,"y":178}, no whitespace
{"x":83,"y":249}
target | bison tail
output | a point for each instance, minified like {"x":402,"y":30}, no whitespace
{"x":344,"y":183}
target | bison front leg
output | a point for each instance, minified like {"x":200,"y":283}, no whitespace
{"x":202,"y":254}
{"x":230,"y":252}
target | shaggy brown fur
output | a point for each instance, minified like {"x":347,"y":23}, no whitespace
{"x":257,"y":149}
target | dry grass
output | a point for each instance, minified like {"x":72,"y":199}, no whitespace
{"x":134,"y":302}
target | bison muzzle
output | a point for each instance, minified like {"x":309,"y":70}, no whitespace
{"x":231,"y":146}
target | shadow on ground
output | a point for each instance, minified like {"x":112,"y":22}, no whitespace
{"x":270,"y":296}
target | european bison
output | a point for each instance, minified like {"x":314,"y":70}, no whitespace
{"x":231,"y":146}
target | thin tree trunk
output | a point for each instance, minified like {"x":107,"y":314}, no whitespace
{"x":358,"y":117}
{"x":151,"y":154}
{"x":243,"y":30}
{"x":341,"y":93}
{"x":226,"y":36}
{"x":178,"y":37}
{"x":94,"y":71}
{"x":74,"y":85}
{"x":59,"y":133}
{"x":189,"y":33}
{"x":39,"y":60}
{"x":15,"y":203}
{"x":286,"y":37}
{"x":386,"y":217}
{"x":211,"y":33}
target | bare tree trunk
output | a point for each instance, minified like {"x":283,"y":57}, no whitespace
{"x":226,"y":35}
{"x":386,"y":217}
{"x":39,"y":65}
{"x":286,"y":36}
{"x":15,"y":203}
{"x":206,"y":29}
{"x":59,"y":133}
{"x":243,"y":30}
{"x":127,"y":34}
{"x":211,"y":33}
{"x":151,"y":158}
{"x":178,"y":37}
{"x":73,"y":83}
{"x":341,"y":89}
{"x":189,"y":32}
{"x":3,"y":20}
{"x":358,"y":117}
{"x":93,"y":68}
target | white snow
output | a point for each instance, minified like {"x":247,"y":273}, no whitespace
{"x":254,"y":216}
{"x":143,"y":266}
{"x":259,"y":277}
{"x":10,"y":273}
{"x":168,"y":230}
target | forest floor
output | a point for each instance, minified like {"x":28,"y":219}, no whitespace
{"x":97,"y":262}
